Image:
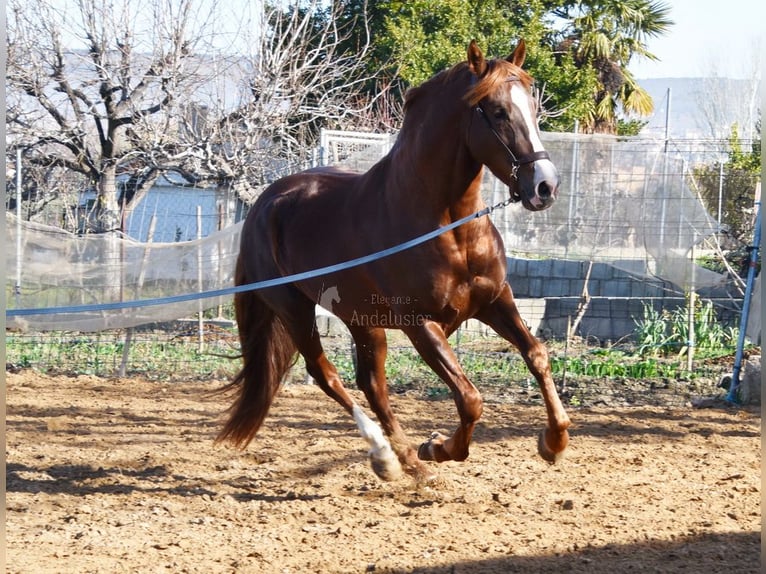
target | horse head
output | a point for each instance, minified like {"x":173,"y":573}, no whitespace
{"x":503,"y":132}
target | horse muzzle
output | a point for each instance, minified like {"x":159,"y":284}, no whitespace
{"x":542,"y":190}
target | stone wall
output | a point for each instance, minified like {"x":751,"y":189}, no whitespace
{"x":548,"y":292}
{"x":617,"y":297}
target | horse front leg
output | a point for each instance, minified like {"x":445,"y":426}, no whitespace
{"x":430,"y":341}
{"x":503,"y":316}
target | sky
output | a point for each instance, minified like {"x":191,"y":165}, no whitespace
{"x":725,"y":37}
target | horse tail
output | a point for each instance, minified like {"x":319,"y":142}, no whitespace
{"x":268,"y":352}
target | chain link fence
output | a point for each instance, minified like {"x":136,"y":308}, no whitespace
{"x":625,"y":205}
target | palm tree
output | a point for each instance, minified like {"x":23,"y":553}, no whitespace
{"x":604,"y":35}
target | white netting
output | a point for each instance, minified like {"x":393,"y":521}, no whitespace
{"x":622,"y":201}
{"x":59,"y":269}
{"x":354,"y":150}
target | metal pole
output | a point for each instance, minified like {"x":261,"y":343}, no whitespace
{"x":611,"y":188}
{"x":681,"y":208}
{"x":575,"y":184}
{"x":667,"y":122}
{"x":17,"y":289}
{"x":665,"y":175}
{"x":123,"y":370}
{"x":201,"y":322}
{"x":720,"y":192}
{"x":732,"y":396}
{"x":323,"y":147}
{"x":221,"y":219}
{"x":692,"y":309}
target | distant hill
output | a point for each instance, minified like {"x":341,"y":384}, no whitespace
{"x":702,"y":108}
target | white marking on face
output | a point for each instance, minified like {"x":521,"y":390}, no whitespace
{"x":380,"y":451}
{"x":520,"y":98}
{"x":545,"y":171}
{"x":544,"y":168}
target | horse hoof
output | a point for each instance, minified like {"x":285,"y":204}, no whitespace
{"x":546,"y":453}
{"x":424,"y":451}
{"x":414,"y":467}
{"x":428,"y":450}
{"x":385,"y":464}
{"x":421,"y":474}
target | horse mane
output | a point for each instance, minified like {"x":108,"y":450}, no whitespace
{"x":498,"y":71}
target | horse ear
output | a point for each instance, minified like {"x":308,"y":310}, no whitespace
{"x":476,"y":62}
{"x":519,"y":54}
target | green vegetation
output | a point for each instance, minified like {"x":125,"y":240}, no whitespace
{"x":161,"y":357}
{"x":155,"y":357}
{"x":578,"y":51}
{"x":614,"y":364}
{"x":731,"y":185}
{"x":664,"y":333}
{"x":660,"y":341}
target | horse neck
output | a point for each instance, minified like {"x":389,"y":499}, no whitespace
{"x":433,"y":171}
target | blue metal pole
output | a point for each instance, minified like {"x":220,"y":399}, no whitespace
{"x":732,"y":396}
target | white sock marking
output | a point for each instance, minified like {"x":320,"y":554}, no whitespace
{"x":369,"y":429}
{"x":381,"y":449}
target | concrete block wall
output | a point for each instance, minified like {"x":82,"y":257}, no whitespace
{"x":550,"y":278}
{"x":617,"y":300}
{"x":548,"y":292}
{"x":608,"y":319}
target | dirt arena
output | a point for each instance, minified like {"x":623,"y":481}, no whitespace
{"x":123,"y":476}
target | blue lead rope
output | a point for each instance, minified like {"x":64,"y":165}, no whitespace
{"x":259,"y":284}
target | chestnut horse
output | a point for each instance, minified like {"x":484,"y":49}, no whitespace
{"x":478,"y":113}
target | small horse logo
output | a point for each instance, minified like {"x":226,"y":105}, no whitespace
{"x":328,"y":297}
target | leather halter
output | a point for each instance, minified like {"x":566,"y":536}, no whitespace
{"x":516,"y":162}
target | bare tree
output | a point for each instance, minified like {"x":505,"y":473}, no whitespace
{"x":296,"y":79}
{"x":724,"y":101}
{"x":122,"y":92}
{"x":83,"y":82}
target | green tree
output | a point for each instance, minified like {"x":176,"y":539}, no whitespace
{"x":578,"y":51}
{"x":604,"y":35}
{"x":730,"y":187}
{"x":415,"y":40}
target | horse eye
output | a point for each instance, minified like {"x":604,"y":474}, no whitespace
{"x":500,"y":114}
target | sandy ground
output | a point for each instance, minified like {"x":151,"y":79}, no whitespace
{"x":123,"y":476}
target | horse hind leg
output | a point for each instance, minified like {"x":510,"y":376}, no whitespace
{"x":371,"y":349}
{"x":302,"y":326}
{"x":383,"y":460}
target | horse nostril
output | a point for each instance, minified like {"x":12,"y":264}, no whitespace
{"x":544,"y":190}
